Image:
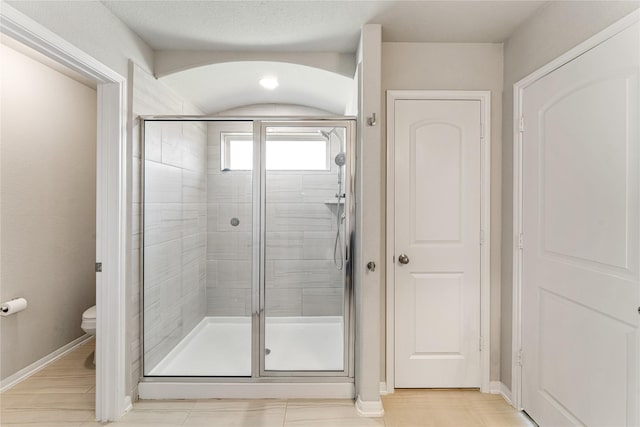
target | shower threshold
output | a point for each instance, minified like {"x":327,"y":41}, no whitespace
{"x":220,"y":347}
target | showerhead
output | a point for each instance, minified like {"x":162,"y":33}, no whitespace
{"x":341,"y":158}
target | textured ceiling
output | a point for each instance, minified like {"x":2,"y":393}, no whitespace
{"x":315,"y":26}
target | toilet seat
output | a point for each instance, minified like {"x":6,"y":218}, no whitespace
{"x":89,"y":319}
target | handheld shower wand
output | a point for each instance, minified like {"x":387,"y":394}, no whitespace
{"x":340,"y":160}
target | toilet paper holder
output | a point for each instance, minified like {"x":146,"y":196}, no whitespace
{"x":13,"y":306}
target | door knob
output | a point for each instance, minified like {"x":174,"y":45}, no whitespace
{"x":403,"y":259}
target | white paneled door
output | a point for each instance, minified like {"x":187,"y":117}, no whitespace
{"x":580,"y":277}
{"x":437,"y":242}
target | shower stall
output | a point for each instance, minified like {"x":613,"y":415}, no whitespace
{"x":246,"y":278}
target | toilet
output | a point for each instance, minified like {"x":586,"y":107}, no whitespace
{"x":89,"y":324}
{"x":89,"y":320}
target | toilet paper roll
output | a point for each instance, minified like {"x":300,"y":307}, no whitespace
{"x":13,"y":306}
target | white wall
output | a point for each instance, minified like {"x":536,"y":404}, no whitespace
{"x":456,"y":66}
{"x":553,"y":30}
{"x":48,"y":207}
{"x":91,"y":27}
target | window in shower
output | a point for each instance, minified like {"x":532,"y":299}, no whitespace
{"x":285,"y":151}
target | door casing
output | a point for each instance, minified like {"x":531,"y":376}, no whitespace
{"x":485,"y":210}
{"x":112,"y":187}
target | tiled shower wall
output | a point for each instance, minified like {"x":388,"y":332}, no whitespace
{"x":175,"y":222}
{"x":174,"y":234}
{"x":301,"y":278}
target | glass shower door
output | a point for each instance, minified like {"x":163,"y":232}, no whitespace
{"x":306,"y":170}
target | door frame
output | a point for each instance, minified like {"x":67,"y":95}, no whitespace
{"x":485,"y":224}
{"x":518,"y":129}
{"x":111,"y":204}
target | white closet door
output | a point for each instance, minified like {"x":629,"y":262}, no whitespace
{"x":581,"y":287}
{"x":437,"y":228}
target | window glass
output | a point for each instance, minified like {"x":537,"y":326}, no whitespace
{"x":284,"y":152}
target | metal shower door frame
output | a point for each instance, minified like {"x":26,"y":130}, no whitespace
{"x":259,"y":334}
{"x":258,"y":374}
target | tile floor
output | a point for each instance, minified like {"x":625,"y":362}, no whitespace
{"x":63,"y":394}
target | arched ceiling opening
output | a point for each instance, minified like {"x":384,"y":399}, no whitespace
{"x":224,"y":86}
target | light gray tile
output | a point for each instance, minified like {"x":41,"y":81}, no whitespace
{"x":193,"y":248}
{"x":193,"y":187}
{"x":194,"y":147}
{"x":303,"y":274}
{"x":228,"y":302}
{"x":221,"y":214}
{"x":229,"y":187}
{"x":154,"y":418}
{"x":136,"y":145}
{"x":193,"y":219}
{"x":213,"y":158}
{"x":269,"y":417}
{"x":283,"y":302}
{"x":190,"y":278}
{"x":136,"y":180}
{"x":163,"y":183}
{"x":319,"y":188}
{"x":161,"y":261}
{"x":319,"y":245}
{"x":150,"y":98}
{"x":284,"y":245}
{"x":284,"y":188}
{"x":298,"y":217}
{"x":229,"y":246}
{"x":162,"y":222}
{"x":152,"y":140}
{"x":326,"y":413}
{"x":215,"y":405}
{"x":172,"y":141}
{"x":323,"y":302}
{"x":229,"y":274}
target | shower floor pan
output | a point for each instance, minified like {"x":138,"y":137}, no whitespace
{"x":221,"y":346}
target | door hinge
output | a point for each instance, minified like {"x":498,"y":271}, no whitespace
{"x":481,"y":237}
{"x":98,"y":267}
{"x":519,"y":358}
{"x":521,"y":125}
{"x":520,"y":241}
{"x":481,"y":131}
{"x":480,"y":344}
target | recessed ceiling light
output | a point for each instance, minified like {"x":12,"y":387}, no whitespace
{"x":269,"y":83}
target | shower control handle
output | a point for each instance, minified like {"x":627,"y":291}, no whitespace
{"x":403,"y":259}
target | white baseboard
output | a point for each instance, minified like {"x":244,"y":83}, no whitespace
{"x":383,"y":389}
{"x":128,"y":405}
{"x":498,"y":387}
{"x":38,"y":365}
{"x":369,"y":408}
